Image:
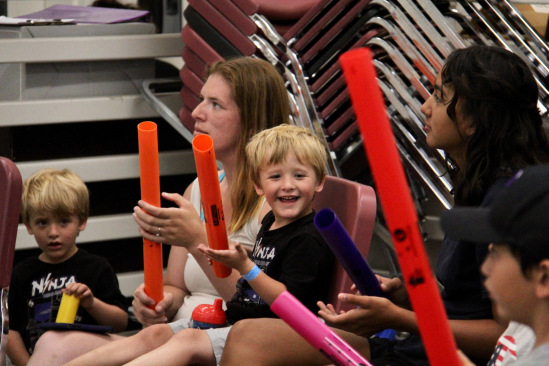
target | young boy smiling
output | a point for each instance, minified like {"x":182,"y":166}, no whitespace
{"x":288,"y":166}
{"x":517,"y":266}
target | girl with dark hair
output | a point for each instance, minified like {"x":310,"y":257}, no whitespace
{"x":497,"y":95}
{"x":483,"y":113}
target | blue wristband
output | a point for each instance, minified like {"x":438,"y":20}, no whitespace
{"x":252,"y":274}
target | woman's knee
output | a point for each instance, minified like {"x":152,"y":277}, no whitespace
{"x":154,"y":335}
{"x":190,"y":336}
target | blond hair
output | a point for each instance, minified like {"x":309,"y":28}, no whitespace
{"x":273,"y":145}
{"x":262,"y":100}
{"x":61,"y":192}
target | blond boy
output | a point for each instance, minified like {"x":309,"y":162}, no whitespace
{"x":54,"y":209}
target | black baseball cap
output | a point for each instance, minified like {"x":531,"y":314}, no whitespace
{"x":519,"y":216}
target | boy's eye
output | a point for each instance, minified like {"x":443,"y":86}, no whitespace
{"x":274,"y":176}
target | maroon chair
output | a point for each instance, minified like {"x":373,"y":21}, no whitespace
{"x":10,"y":202}
{"x":355,"y":207}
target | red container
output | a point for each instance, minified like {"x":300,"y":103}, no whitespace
{"x":207,"y":316}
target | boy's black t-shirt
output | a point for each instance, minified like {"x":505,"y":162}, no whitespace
{"x":35,"y":291}
{"x":297,"y":256}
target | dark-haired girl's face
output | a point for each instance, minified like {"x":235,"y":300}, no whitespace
{"x":442,"y":132}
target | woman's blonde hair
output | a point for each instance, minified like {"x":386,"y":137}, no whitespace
{"x":262,"y":100}
{"x":273,"y":145}
{"x":61,"y":192}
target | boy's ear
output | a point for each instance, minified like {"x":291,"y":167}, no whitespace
{"x":83,"y":225}
{"x":320,"y":185}
{"x":542,"y":289}
{"x":258,"y":189}
{"x":29,"y":229}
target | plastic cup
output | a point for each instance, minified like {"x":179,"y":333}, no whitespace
{"x":67,"y":309}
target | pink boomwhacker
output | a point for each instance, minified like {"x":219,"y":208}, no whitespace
{"x":318,"y":334}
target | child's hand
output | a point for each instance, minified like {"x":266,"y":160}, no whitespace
{"x":81,"y":291}
{"x":235,"y":257}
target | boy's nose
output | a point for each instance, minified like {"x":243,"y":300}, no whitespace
{"x":54,"y":230}
{"x":288,"y":183}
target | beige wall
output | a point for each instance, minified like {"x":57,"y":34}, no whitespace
{"x":22,"y":7}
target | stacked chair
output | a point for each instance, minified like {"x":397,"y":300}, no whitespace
{"x":409,"y":41}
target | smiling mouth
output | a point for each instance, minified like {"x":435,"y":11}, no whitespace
{"x":288,"y":199}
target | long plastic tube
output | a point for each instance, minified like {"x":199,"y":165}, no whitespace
{"x":398,"y":207}
{"x":210,"y":193}
{"x":150,"y":193}
{"x":347,"y":253}
{"x":318,"y":334}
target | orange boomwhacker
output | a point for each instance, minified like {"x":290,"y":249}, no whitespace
{"x":150,"y":193}
{"x":208,"y":181}
{"x":399,"y":210}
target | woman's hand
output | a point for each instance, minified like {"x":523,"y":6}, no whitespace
{"x":142,"y":303}
{"x":180,"y":226}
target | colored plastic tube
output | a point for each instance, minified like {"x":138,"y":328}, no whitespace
{"x":318,"y":334}
{"x":210,"y":193}
{"x":150,"y":193}
{"x":67,"y":309}
{"x":399,"y":210}
{"x":347,"y":253}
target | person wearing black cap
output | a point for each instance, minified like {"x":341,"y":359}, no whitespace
{"x":516,"y":269}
